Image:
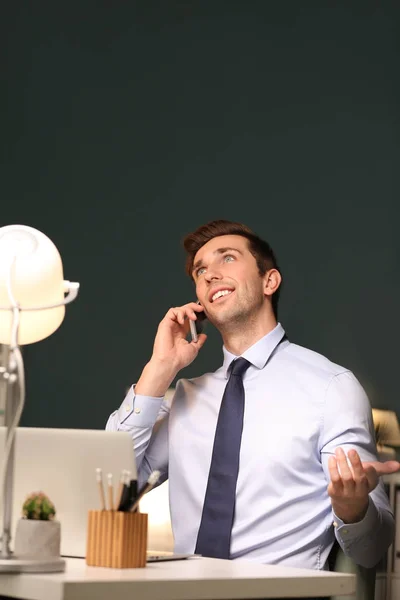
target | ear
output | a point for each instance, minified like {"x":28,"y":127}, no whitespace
{"x":272,"y":280}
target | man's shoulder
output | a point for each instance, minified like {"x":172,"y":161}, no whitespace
{"x":309,"y":360}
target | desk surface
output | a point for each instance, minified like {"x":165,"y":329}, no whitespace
{"x":193,"y":579}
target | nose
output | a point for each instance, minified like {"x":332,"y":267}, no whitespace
{"x":213,"y":274}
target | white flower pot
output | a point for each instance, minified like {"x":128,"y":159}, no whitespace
{"x":37,"y":539}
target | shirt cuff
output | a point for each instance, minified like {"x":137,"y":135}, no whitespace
{"x":348,"y":532}
{"x":139,"y":411}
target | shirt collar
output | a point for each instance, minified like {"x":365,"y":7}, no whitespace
{"x":259,"y":353}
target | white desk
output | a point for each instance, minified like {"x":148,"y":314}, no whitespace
{"x":193,"y":579}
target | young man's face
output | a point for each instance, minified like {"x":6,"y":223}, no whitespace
{"x":228,"y":282}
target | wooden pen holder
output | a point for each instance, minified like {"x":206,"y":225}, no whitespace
{"x":116,"y":539}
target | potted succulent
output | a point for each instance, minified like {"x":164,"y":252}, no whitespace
{"x":38,"y":533}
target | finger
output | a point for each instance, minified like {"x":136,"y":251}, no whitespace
{"x":188,"y":310}
{"x":193,"y":306}
{"x":197,"y":307}
{"x":189,"y":313}
{"x":173,"y":313}
{"x":372,"y":478}
{"x":344,"y":469}
{"x":194,"y":312}
{"x":334,"y":474}
{"x":356,"y":464}
{"x":180,"y":316}
{"x":364,"y":481}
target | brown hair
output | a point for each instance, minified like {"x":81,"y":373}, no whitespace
{"x":260,"y":249}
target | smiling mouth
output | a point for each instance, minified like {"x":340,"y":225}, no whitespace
{"x":220,"y":294}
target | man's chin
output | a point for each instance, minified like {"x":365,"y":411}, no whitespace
{"x":227,"y":318}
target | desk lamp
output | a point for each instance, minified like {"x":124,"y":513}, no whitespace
{"x":387,"y":432}
{"x":32,"y":307}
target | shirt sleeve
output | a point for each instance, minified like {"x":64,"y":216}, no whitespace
{"x":347,"y":422}
{"x":146,"y":419}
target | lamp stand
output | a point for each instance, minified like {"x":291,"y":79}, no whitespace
{"x":9,"y":562}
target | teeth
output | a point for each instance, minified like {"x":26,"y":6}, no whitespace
{"x":220,"y":293}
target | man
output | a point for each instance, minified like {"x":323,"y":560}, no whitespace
{"x":269,"y":463}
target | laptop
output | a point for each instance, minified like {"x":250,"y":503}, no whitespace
{"x":62,"y":463}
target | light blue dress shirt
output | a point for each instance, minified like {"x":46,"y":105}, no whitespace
{"x":299,"y":407}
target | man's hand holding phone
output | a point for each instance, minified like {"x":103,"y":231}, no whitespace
{"x":171,"y":351}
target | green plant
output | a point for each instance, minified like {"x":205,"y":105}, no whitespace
{"x":38,"y":506}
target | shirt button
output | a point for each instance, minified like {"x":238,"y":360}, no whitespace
{"x":334,"y":524}
{"x":345,"y":531}
{"x":127,"y":407}
{"x":138,"y":410}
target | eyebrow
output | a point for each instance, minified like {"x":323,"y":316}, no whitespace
{"x":199,"y":263}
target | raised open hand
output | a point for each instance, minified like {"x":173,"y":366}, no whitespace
{"x":351,"y":482}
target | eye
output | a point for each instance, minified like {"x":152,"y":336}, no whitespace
{"x":229,"y":258}
{"x":200,"y":271}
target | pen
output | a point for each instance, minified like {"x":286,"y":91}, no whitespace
{"x":124,"y":502}
{"x":99,"y":478}
{"x":151,"y":482}
{"x":133,"y":493}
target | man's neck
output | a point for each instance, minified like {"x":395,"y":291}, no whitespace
{"x":238,"y":339}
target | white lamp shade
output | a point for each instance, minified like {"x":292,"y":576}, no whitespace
{"x":387,"y":427}
{"x":36,"y":280}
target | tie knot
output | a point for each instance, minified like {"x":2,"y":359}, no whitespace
{"x":239,"y":366}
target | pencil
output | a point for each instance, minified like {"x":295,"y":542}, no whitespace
{"x":99,"y":478}
{"x":110,"y":491}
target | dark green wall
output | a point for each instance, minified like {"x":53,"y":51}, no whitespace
{"x":128,"y":124}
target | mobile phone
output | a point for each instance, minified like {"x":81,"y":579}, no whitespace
{"x":196,"y":327}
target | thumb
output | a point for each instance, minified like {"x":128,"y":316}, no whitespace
{"x":383,"y":468}
{"x":201,"y":339}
